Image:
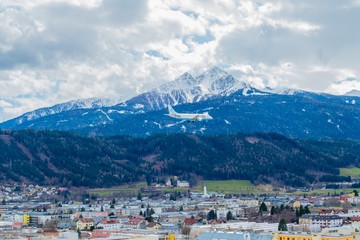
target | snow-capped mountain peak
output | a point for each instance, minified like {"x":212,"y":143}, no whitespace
{"x":185,"y":81}
{"x":214,"y":72}
{"x":214,"y":82}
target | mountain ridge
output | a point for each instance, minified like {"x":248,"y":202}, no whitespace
{"x":85,"y":103}
{"x":65,"y":159}
{"x":235,"y":106}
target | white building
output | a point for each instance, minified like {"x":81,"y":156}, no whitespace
{"x":183,"y":184}
{"x":6,"y":226}
{"x":323,"y":221}
{"x":110,"y":225}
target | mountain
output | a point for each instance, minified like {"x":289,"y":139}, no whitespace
{"x":302,"y":115}
{"x":186,"y":89}
{"x":87,"y":103}
{"x":65,"y":159}
{"x":213,"y":83}
{"x":234,"y":105}
{"x":354,"y":92}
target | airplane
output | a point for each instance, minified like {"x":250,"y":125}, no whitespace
{"x":190,"y":117}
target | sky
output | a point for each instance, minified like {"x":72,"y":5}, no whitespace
{"x":53,"y":51}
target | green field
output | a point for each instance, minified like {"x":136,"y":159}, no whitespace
{"x":228,"y":186}
{"x":351,"y":172}
{"x":128,"y":189}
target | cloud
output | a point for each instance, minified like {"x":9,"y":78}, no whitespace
{"x":53,"y":51}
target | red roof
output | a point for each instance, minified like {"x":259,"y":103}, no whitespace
{"x":152,"y":224}
{"x":86,"y":220}
{"x":109,"y":221}
{"x":190,"y":221}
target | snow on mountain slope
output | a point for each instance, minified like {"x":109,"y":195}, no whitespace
{"x":87,"y":103}
{"x":354,"y":93}
{"x":186,"y":89}
{"x":282,"y":91}
{"x":211,"y":84}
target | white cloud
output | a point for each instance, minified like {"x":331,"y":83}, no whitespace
{"x":57,"y":50}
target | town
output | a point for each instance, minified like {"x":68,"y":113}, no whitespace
{"x":35,"y":212}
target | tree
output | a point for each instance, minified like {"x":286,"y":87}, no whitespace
{"x":80,"y":216}
{"x":307,"y":210}
{"x":282,"y":207}
{"x":273,"y":210}
{"x":346,"y":205}
{"x":139,"y":197}
{"x":113,"y":202}
{"x":282,"y":225}
{"x":185,"y":230}
{"x":151,"y":211}
{"x":3,"y":202}
{"x":173,"y":197}
{"x":212,"y":215}
{"x":181,"y":208}
{"x":82,"y":209}
{"x":148,"y":180}
{"x":93,"y":197}
{"x":102,"y":208}
{"x":332,"y":202}
{"x":229,"y":216}
{"x":79,"y":233}
{"x":263,"y":207}
{"x":356,"y":193}
{"x":50,"y":225}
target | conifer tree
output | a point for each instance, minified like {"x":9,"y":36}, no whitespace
{"x":212,"y":215}
{"x":229,"y":216}
{"x":263,"y":207}
{"x":282,"y":225}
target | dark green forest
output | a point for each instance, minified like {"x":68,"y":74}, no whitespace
{"x":66,"y":159}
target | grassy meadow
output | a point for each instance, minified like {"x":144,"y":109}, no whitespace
{"x":351,"y":172}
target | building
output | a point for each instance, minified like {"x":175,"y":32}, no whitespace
{"x":307,"y":236}
{"x":183,"y":184}
{"x":153,"y":226}
{"x":322,"y":221}
{"x":6,"y":226}
{"x":109,"y":225}
{"x":233,"y":236}
{"x":84,"y":223}
{"x":135,"y":224}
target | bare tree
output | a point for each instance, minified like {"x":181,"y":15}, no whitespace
{"x":332,"y":202}
{"x":185,"y":230}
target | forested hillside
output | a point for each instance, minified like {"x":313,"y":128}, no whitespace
{"x":59,"y":158}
